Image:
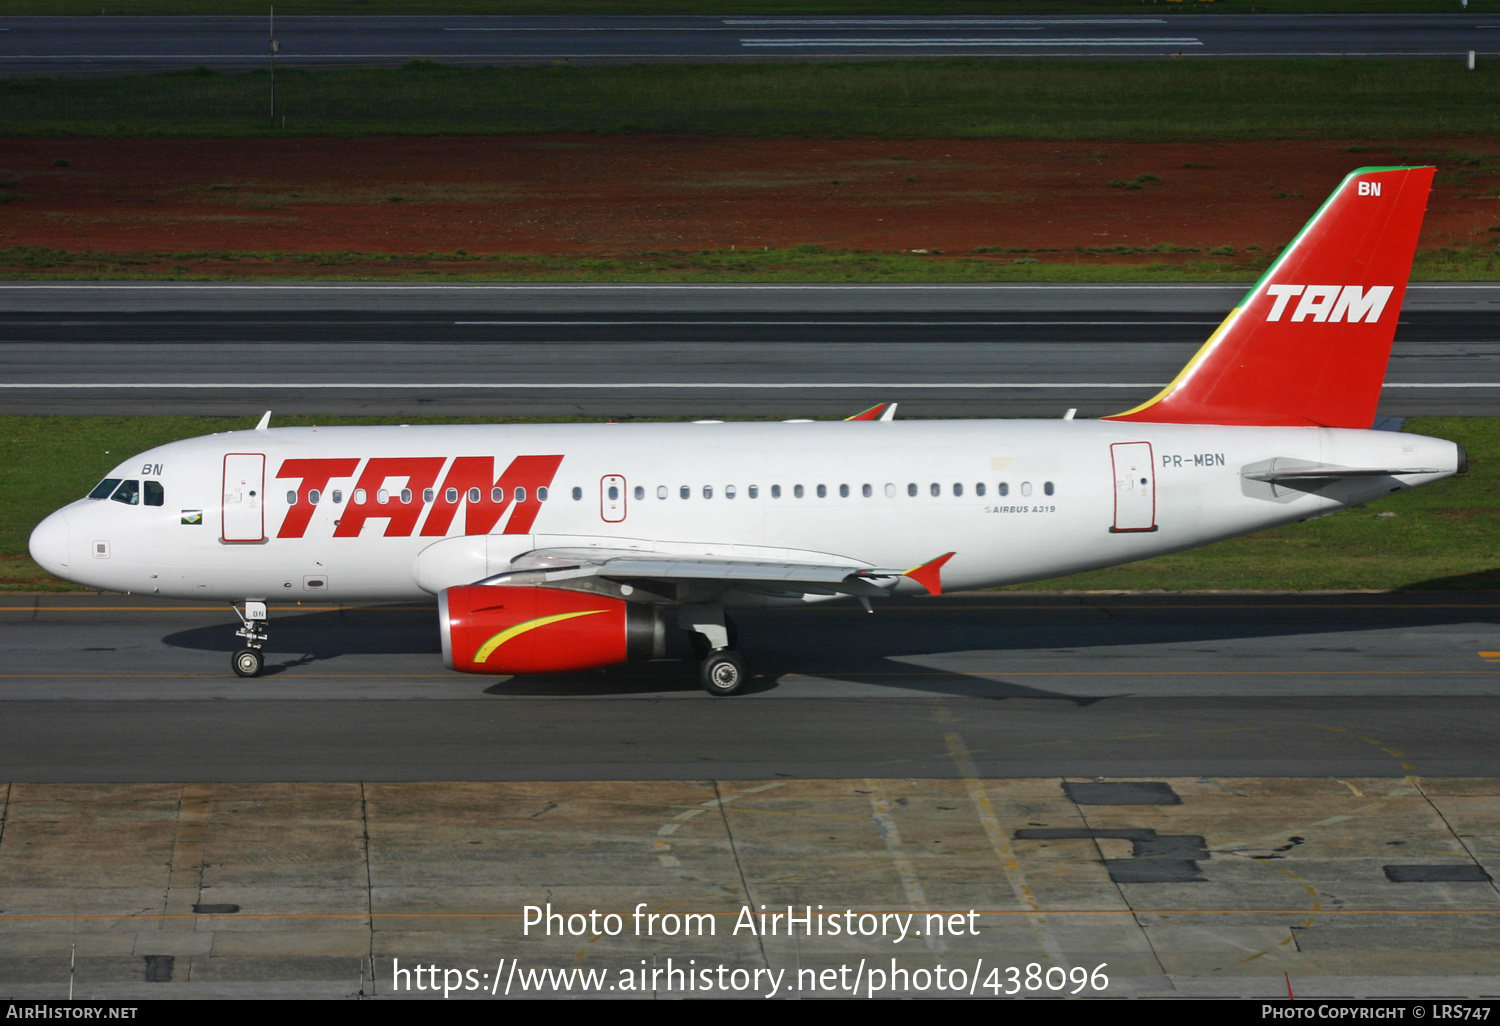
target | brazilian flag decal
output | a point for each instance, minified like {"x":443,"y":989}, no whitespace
{"x":192,"y":516}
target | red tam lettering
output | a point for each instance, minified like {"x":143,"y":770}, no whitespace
{"x":401,"y":517}
{"x":315,"y":475}
{"x":470,"y":473}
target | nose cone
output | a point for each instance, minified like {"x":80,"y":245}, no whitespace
{"x":49,"y":544}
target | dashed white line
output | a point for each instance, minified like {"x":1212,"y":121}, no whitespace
{"x":971,"y":42}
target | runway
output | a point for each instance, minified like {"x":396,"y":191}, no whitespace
{"x":132,"y":689}
{"x":651,"y":351}
{"x":46,"y":45}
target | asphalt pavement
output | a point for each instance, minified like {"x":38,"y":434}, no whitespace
{"x":130,"y":688}
{"x":115,"y":44}
{"x":652,"y":351}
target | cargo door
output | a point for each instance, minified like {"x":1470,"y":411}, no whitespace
{"x":1135,"y":487}
{"x":244,"y":516}
{"x":612,"y":498}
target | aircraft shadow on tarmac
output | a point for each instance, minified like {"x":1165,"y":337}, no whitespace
{"x":846,"y":644}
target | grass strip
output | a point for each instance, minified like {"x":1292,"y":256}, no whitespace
{"x":799,"y":264}
{"x":1133,"y":100}
{"x":1445,"y":535}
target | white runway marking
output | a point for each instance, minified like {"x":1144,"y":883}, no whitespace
{"x":788,"y":323}
{"x":1187,"y":41}
{"x":818,"y":22}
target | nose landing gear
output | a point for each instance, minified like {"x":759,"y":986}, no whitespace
{"x":248,"y":661}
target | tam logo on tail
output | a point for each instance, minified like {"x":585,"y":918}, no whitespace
{"x":1330,"y":303}
{"x":1319,"y":361}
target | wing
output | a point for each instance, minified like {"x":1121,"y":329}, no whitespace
{"x":704,"y":578}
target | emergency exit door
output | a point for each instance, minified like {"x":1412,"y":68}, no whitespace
{"x":244,"y":518}
{"x":612,"y":498}
{"x":1135,"y":487}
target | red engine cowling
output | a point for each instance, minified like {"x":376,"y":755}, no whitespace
{"x":526,"y":629}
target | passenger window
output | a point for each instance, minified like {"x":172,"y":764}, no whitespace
{"x":661,"y":491}
{"x":291,"y":498}
{"x":822,"y":491}
{"x":1004,"y":489}
{"x":729,"y":491}
{"x":640,"y":493}
{"x":684,"y":492}
{"x":406,"y":495}
{"x":1046,"y":488}
{"x":776,"y":491}
{"x":473,"y":494}
{"x":338,"y":496}
{"x":428,"y":495}
{"x":936,"y":489}
{"x":577,"y":494}
{"x":911,"y":489}
{"x":314,"y":496}
{"x":155,"y":495}
{"x":708,"y":491}
{"x":129,"y":493}
{"x":104,"y":489}
{"x":498,"y":495}
{"x":450,"y":495}
{"x":520,"y":494}
{"x":796,"y":491}
{"x":890,"y":490}
{"x":958,"y":489}
{"x":614,"y":493}
{"x":359,"y":496}
{"x":843,"y":491}
{"x":541,"y":494}
{"x":979,"y":488}
{"x":866,"y":491}
{"x":1025,"y":487}
{"x":382,"y":496}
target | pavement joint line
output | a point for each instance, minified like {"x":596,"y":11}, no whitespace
{"x":890,"y":833}
{"x":1010,"y":867}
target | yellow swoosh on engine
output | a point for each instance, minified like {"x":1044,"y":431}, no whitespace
{"x":488,"y":648}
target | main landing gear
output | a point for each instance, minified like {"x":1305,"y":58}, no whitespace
{"x":722,"y":672}
{"x":248,"y":661}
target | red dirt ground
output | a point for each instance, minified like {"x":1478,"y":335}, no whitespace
{"x":625,"y":194}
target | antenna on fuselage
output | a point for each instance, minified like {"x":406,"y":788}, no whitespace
{"x":265,"y":422}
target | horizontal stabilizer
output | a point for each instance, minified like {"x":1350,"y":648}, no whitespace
{"x":884,"y":411}
{"x":1300,"y":470}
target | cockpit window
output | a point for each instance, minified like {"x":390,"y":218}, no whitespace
{"x":154,"y":493}
{"x":129,"y":493}
{"x":104,"y":488}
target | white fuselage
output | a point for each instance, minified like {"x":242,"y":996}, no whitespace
{"x":1015,"y":500}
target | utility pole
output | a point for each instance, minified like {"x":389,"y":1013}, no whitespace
{"x":271,"y":53}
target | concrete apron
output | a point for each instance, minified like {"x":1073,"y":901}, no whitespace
{"x":1176,"y":887}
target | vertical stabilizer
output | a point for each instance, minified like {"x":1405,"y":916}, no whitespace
{"x":1308,"y":345}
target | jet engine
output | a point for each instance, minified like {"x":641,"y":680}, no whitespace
{"x":527,"y":629}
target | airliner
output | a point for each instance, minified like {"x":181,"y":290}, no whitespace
{"x":566,"y":547}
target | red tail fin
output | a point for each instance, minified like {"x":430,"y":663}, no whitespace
{"x":1308,"y":345}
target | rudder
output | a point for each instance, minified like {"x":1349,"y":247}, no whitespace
{"x":1309,"y":344}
